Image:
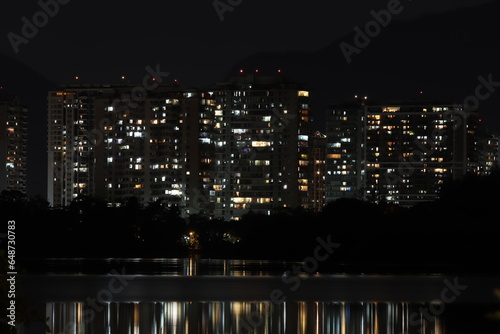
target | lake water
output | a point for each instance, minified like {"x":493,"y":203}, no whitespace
{"x":159,"y":296}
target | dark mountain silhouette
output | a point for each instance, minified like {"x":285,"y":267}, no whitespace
{"x":441,"y":54}
{"x":31,"y":88}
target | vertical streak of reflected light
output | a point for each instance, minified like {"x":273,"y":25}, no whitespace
{"x":423,"y":326}
{"x":223,"y":317}
{"x":302,"y":317}
{"x":362,"y":328}
{"x":78,"y":317}
{"x":50,"y":314}
{"x":390,"y":318}
{"x":317,"y":324}
{"x":343,"y":318}
{"x":136,"y":318}
{"x":173,"y":316}
{"x":285,"y":317}
{"x":269,"y":319}
{"x":438,"y":327}
{"x":107,"y":322}
{"x":161,"y":317}
{"x":406,"y":326}
{"x":73,"y":317}
{"x":228,"y":317}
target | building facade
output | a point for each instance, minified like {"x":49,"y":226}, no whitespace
{"x":410,"y":150}
{"x":105,"y":143}
{"x":261,"y":141}
{"x":241,"y":146}
{"x":318,"y":176}
{"x":13,"y":143}
{"x":245,"y":145}
{"x":401,"y":152}
{"x":483,"y":148}
{"x":344,"y":152}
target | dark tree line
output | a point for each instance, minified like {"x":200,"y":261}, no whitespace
{"x":460,"y":229}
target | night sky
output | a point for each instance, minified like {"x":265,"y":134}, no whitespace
{"x":102,"y":40}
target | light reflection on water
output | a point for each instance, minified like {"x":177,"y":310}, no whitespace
{"x":141,"y":309}
{"x":191,"y":266}
{"x":241,"y":317}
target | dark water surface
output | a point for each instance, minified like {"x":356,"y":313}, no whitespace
{"x":158,"y":296}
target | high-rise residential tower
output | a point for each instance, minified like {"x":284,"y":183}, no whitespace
{"x":482,"y":148}
{"x":115,"y":142}
{"x":400,"y":152}
{"x":261,"y":145}
{"x":13,"y":143}
{"x":344,"y":151}
{"x":317,"y":192}
{"x":411,"y":149}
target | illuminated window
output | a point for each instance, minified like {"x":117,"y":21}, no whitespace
{"x":261,"y":143}
{"x":241,"y":200}
{"x":262,"y":162}
{"x":263,"y":200}
{"x":174,"y":192}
